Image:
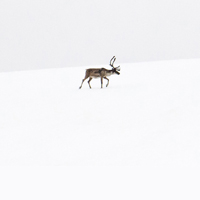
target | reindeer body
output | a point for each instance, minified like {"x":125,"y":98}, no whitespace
{"x":100,"y":73}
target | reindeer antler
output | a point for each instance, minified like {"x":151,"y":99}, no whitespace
{"x":112,"y":62}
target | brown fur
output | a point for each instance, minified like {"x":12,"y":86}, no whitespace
{"x":100,"y":73}
{"x":97,"y":73}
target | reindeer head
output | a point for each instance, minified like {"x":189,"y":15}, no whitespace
{"x":115,"y":70}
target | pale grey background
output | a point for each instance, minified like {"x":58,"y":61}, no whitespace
{"x":60,"y":33}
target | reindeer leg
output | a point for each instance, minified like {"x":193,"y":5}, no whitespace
{"x":86,"y":76}
{"x":82,"y":83}
{"x":101,"y":82}
{"x":107,"y":80}
{"x":89,"y":82}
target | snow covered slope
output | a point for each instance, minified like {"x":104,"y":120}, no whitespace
{"x":149,"y":115}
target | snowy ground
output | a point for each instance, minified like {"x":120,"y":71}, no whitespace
{"x":149,"y":115}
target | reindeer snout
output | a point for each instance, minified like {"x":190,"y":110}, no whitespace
{"x":117,"y":73}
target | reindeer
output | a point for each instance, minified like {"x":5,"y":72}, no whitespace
{"x":101,"y":73}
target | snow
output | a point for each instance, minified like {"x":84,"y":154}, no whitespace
{"x":149,"y":115}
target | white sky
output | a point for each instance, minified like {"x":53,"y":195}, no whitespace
{"x":61,"y":33}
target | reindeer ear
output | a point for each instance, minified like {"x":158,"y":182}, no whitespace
{"x":118,"y":68}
